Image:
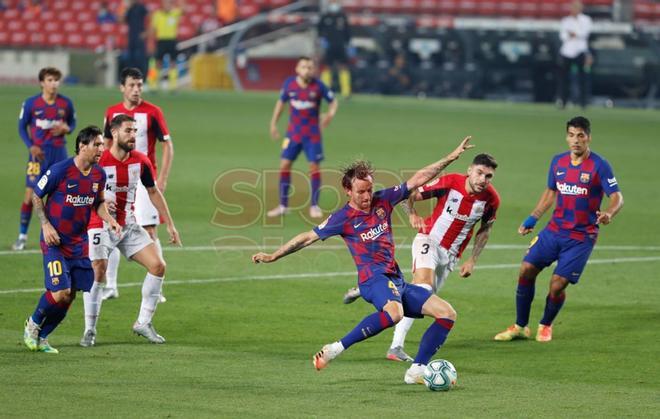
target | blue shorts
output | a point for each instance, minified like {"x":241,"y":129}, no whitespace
{"x":61,"y":273}
{"x":35,"y":168}
{"x":313,"y":151}
{"x":381,"y":288}
{"x":571,"y":255}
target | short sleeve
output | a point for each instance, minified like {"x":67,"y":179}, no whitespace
{"x":436,"y":188}
{"x":326,"y":92}
{"x":552,"y":184}
{"x":607,"y":178}
{"x":48,"y":182}
{"x":491,"y":207}
{"x":106,"y":125}
{"x":332,"y":226}
{"x":100,"y":189}
{"x":284,"y":94}
{"x":162,"y":132}
{"x":147,"y":174}
{"x":393,"y":195}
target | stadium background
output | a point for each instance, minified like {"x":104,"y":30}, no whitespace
{"x":240,"y":337}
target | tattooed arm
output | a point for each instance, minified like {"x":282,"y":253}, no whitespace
{"x":50,"y":234}
{"x":301,"y":241}
{"x":480,"y":240}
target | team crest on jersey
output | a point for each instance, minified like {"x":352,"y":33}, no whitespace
{"x":380,"y":212}
{"x":61,"y":113}
{"x":95,"y":187}
{"x":585,"y":177}
{"x":312,"y":95}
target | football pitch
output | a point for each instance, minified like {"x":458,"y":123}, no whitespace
{"x":240,"y":337}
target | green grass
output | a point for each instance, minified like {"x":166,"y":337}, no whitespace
{"x":241,"y":337}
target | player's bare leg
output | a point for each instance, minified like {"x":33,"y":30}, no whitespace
{"x":26,"y":214}
{"x":150,"y":258}
{"x":524,"y":298}
{"x":553,"y":303}
{"x":315,"y":181}
{"x":92,"y":301}
{"x":285,"y":181}
{"x":152,"y":230}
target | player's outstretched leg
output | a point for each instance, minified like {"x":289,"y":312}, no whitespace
{"x":322,"y":358}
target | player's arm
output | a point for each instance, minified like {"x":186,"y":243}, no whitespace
{"x":165,"y":164}
{"x":327,"y":117}
{"x":66,"y":127}
{"x":480,"y":240}
{"x":23,"y":130}
{"x":432,"y":170}
{"x":613,"y":208}
{"x":416,"y":221}
{"x":277,"y":111}
{"x":50,"y":234}
{"x":157,"y":198}
{"x":103,"y":212}
{"x":545,"y":202}
{"x":301,"y":241}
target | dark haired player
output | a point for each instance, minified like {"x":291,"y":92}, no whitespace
{"x":577,"y":180}
{"x":74,"y":187}
{"x":44,"y":121}
{"x":365,"y":225}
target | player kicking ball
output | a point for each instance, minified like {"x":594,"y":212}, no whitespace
{"x":125,"y":168}
{"x":365,"y":225}
{"x":463,"y":200}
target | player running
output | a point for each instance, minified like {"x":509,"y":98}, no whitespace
{"x":304,"y":94}
{"x":125,"y":169}
{"x":365,"y":225}
{"x":462,"y":202}
{"x":152,"y":128}
{"x":73,"y":186}
{"x":44,"y":121}
{"x":576,"y":182}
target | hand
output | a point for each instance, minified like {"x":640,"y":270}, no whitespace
{"x":50,"y":235}
{"x":603,"y":218}
{"x":325,"y":120}
{"x":274,"y":133}
{"x":112,"y":206}
{"x":467,"y":268}
{"x":60,"y":128}
{"x":417,"y":222}
{"x":262,"y":258}
{"x":527,"y":226}
{"x":454,"y":155}
{"x":115,"y":227}
{"x":162,"y":184}
{"x":174,"y":235}
{"x":37,"y":153}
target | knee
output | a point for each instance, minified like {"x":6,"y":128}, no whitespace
{"x":528,"y":271}
{"x":65,"y":296}
{"x":395,"y":311}
{"x":158,"y":268}
{"x":100,"y":268}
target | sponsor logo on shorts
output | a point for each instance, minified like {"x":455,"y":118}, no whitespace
{"x":567,"y":189}
{"x":375,"y":232}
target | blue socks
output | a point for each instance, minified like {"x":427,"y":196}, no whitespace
{"x":524,"y":298}
{"x":316,"y":187}
{"x":433,"y":339}
{"x":26,"y":214}
{"x":49,"y":314}
{"x":285,"y":181}
{"x":370,"y":326}
{"x":552,"y":306}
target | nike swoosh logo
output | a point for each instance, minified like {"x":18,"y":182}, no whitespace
{"x":560,"y":173}
{"x":357,"y":225}
{"x":70,"y":186}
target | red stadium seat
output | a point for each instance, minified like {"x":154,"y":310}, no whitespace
{"x":55,"y":39}
{"x":19,"y":38}
{"x":448,"y":7}
{"x":487,"y":8}
{"x":37,"y":38}
{"x":429,"y":6}
{"x":247,"y":10}
{"x":94,"y":41}
{"x":89,"y":27}
{"x":528,"y":9}
{"x":467,"y":7}
{"x":4,"y":37}
{"x":75,"y":40}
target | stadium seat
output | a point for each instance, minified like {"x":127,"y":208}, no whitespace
{"x":448,"y":7}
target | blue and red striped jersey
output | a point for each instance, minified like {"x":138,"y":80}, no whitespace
{"x":368,"y":235}
{"x":38,"y":117}
{"x":579,"y":194}
{"x":304,"y":107}
{"x":71,"y":197}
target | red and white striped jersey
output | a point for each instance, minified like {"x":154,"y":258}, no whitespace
{"x":121,"y":185}
{"x":150,"y":124}
{"x":456,"y":212}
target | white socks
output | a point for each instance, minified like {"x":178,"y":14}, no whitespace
{"x":111,"y":271}
{"x":401,"y":329}
{"x":151,"y":289}
{"x":92,"y":301}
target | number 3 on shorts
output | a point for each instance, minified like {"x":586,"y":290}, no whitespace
{"x":425,"y":248}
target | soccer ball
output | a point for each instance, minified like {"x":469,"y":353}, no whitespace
{"x":440,"y":375}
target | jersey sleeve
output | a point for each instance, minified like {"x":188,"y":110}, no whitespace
{"x":99,"y":198}
{"x":160,"y":126}
{"x":48,"y":182}
{"x":71,"y":115}
{"x":326,"y":92}
{"x":147,"y":174}
{"x":552,"y":183}
{"x":24,"y":120}
{"x":393,"y":195}
{"x":284,"y":93}
{"x":436,"y":188}
{"x":332,"y":226}
{"x":607,"y":178}
{"x":491,"y":207}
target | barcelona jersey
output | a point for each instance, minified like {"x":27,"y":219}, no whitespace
{"x":305,"y":105}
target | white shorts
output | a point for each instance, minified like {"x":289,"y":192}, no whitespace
{"x":145,"y":212}
{"x":102,"y":242}
{"x":427,"y":253}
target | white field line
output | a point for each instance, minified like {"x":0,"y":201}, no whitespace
{"x":327,"y":274}
{"x":338,"y":247}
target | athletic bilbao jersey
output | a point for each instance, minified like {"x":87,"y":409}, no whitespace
{"x":304,"y":108}
{"x":579,"y":194}
{"x":122,"y":178}
{"x":38,"y":117}
{"x":368,"y":235}
{"x":71,"y":197}
{"x":456,"y":212}
{"x":151,"y":126}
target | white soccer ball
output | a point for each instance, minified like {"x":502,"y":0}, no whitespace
{"x":440,"y":375}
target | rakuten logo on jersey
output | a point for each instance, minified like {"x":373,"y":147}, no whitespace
{"x":301,"y":105}
{"x":567,"y":189}
{"x":375,"y":232}
{"x":79,"y":200}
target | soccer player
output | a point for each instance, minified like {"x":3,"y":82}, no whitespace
{"x":462,"y":201}
{"x":74,"y":187}
{"x":577,"y":180}
{"x":365,"y":225}
{"x":304,"y":94}
{"x":44,"y":121}
{"x":125,"y":168}
{"x":152,"y":128}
